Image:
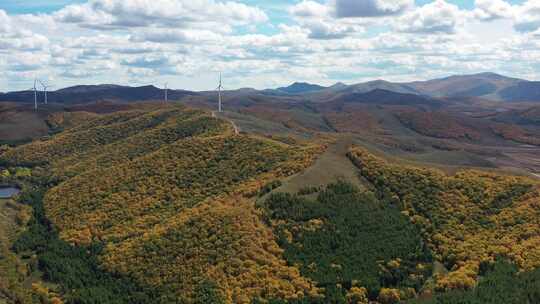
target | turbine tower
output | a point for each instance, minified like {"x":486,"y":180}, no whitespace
{"x":35,"y":95}
{"x":166,"y":93}
{"x":44,"y":90}
{"x":219,"y":88}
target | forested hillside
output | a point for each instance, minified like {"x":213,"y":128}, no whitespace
{"x":468,"y":219}
{"x":167,"y":204}
{"x":437,"y":124}
{"x":164,"y":194}
{"x":353,"y":245}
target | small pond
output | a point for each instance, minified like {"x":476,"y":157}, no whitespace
{"x":8,"y":192}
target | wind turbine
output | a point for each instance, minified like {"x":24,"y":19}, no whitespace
{"x":44,"y":90}
{"x":35,"y":95}
{"x":166,"y":93}
{"x":219,"y":88}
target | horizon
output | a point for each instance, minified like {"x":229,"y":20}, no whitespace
{"x":262,"y":89}
{"x":263,"y":45}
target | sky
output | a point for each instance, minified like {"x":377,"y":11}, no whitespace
{"x":263,"y":43}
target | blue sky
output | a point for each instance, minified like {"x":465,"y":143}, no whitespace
{"x":262,"y":44}
{"x":34,"y":6}
{"x":44,"y":6}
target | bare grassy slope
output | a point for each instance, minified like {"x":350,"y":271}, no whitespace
{"x":331,"y":166}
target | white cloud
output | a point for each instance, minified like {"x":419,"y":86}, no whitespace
{"x":117,"y":14}
{"x":175,"y":36}
{"x":433,"y":18}
{"x":18,"y":38}
{"x":320,"y":21}
{"x":28,"y":62}
{"x":33,"y":42}
{"x":371,"y":8}
{"x":187,"y":42}
{"x":492,"y":9}
{"x":5,"y":22}
{"x":527,"y":16}
{"x":324,"y":30}
{"x":310,"y":9}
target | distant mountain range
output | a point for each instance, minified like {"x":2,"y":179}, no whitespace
{"x":92,"y":93}
{"x":485,"y":85}
{"x":489,"y":86}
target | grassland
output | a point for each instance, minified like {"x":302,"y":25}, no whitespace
{"x":18,"y":126}
{"x":332,"y":166}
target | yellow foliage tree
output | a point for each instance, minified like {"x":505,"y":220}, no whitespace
{"x":389,"y":296}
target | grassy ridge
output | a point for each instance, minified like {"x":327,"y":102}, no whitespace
{"x":98,"y":132}
{"x":180,"y":126}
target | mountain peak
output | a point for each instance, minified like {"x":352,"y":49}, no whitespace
{"x":301,"y":87}
{"x":338,"y":85}
{"x":491,"y":75}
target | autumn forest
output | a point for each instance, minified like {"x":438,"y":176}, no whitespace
{"x":168,"y":204}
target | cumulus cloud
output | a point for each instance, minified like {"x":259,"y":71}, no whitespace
{"x":34,"y":42}
{"x":371,"y":8}
{"x":527,"y":16}
{"x":188,"y":41}
{"x":492,"y":9}
{"x":433,"y":18}
{"x":28,"y":62}
{"x":15,"y":37}
{"x":5,"y":22}
{"x":309,"y":9}
{"x":76,"y":73}
{"x":324,"y":30}
{"x":113,"y":14}
{"x":148,"y":62}
{"x":320,"y":22}
{"x":175,"y":36}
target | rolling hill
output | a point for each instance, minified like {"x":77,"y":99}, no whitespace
{"x":522,"y":91}
{"x":379,"y":85}
{"x":165,"y":189}
{"x":385,"y":97}
{"x":94,"y":93}
{"x":487,"y":86}
{"x":162,"y":203}
{"x":301,"y":87}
